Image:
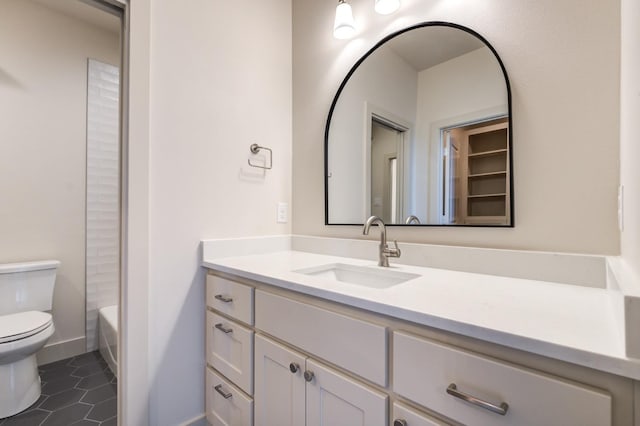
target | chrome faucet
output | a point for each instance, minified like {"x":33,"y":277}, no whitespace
{"x":411,"y":219}
{"x":384,"y":251}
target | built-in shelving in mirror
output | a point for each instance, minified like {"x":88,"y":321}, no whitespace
{"x":420,"y":131}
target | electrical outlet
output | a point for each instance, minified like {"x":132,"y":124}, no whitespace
{"x":283,"y":213}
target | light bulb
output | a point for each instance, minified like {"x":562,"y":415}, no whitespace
{"x":344,"y":25}
{"x":385,"y":7}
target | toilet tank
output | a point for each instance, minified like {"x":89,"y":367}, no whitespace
{"x":27,"y":286}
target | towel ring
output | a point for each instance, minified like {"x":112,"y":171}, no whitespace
{"x":255,"y":148}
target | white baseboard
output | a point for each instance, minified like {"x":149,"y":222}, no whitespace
{"x":61,"y":350}
{"x":201,"y":420}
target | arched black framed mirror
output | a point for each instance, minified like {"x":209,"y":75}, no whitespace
{"x":420,"y":132}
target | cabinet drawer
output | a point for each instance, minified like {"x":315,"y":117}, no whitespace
{"x":424,"y":370}
{"x":355,"y":345}
{"x":405,"y":416}
{"x":230,"y":350}
{"x":226,"y":404}
{"x":230,"y":298}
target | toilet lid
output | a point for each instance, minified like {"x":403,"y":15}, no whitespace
{"x":23,"y":324}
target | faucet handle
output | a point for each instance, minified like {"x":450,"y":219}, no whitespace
{"x":393,"y":252}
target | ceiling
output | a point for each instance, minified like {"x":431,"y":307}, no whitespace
{"x":425,"y":47}
{"x":85,"y":12}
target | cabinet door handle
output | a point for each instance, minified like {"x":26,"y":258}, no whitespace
{"x":400,"y":422}
{"x":294,"y":367}
{"x":498,"y":409}
{"x":308,"y":375}
{"x":225,"y":395}
{"x":224,"y":329}
{"x":222,"y":298}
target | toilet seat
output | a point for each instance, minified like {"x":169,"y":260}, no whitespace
{"x":22,"y":325}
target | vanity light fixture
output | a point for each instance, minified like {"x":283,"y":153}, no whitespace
{"x":344,"y":26}
{"x":385,"y":7}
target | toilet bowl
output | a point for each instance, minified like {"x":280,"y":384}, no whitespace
{"x":26,"y":291}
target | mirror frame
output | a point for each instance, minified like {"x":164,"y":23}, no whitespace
{"x":346,"y":80}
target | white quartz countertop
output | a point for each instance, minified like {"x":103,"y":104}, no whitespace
{"x":566,"y":322}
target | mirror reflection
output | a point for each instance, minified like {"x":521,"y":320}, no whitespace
{"x":419,"y":133}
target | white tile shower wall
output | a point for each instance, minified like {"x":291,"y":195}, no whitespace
{"x":103,"y":217}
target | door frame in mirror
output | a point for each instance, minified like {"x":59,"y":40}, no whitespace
{"x":376,"y":114}
{"x":346,"y":79}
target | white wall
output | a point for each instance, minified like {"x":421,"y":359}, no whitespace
{"x":395,"y":86}
{"x":43,"y":95}
{"x":563,"y":63}
{"x":220,"y":80}
{"x":630,"y":134}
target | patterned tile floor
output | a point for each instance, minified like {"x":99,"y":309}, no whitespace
{"x":76,"y":391}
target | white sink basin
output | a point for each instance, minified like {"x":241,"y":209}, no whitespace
{"x":373,"y":277}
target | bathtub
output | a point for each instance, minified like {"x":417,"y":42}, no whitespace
{"x":108,"y":335}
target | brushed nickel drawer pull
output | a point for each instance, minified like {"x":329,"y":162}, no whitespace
{"x":224,"y":329}
{"x":222,"y":298}
{"x":498,"y":409}
{"x":225,"y":395}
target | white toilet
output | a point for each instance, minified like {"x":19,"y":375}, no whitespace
{"x":26,"y":291}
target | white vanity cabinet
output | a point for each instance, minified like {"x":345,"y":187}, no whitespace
{"x":293,"y":359}
{"x":229,"y":352}
{"x":292,"y":389}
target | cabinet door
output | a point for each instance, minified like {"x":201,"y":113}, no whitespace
{"x":279,"y":385}
{"x":337,"y":400}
